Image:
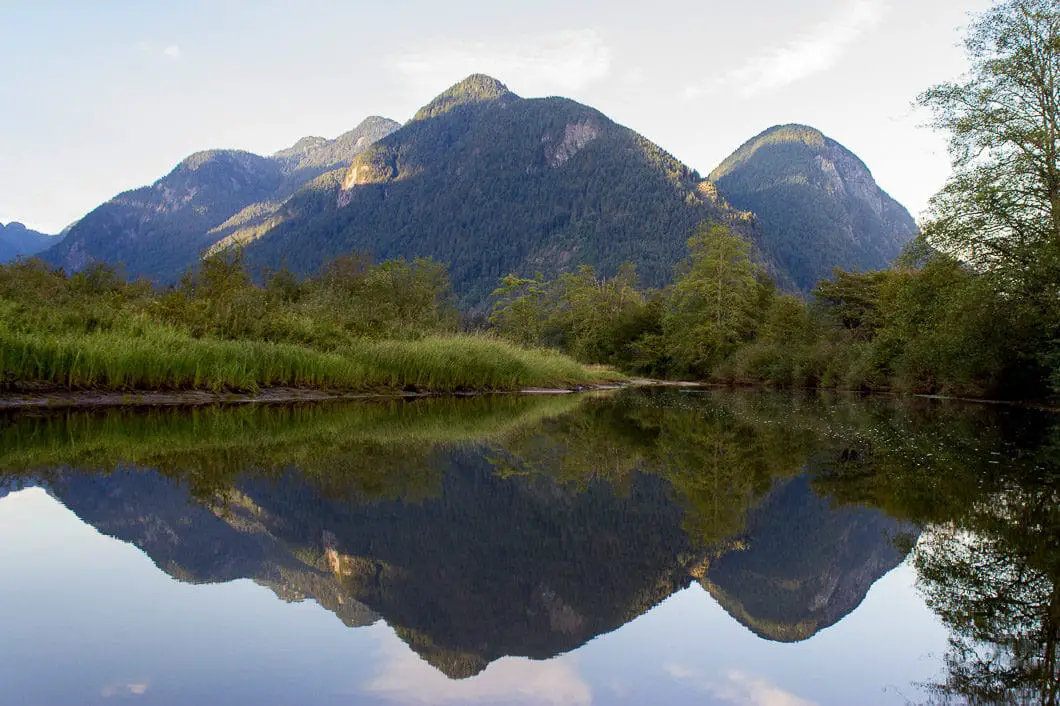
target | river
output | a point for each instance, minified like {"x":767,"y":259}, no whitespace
{"x":628,"y":547}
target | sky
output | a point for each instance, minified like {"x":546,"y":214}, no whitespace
{"x":97,"y":98}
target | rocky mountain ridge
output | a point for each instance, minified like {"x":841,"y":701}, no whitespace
{"x":160,"y":230}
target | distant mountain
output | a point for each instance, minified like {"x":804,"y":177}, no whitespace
{"x":160,"y":230}
{"x":817,"y":203}
{"x":491,"y":183}
{"x":321,"y":153}
{"x":16,"y":240}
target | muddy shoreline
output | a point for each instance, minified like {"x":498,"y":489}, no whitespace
{"x":64,"y":399}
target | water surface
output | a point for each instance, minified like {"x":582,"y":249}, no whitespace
{"x":627,"y":548}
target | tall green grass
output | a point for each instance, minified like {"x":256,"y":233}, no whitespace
{"x":160,"y":358}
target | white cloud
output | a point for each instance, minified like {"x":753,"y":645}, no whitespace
{"x":170,"y":51}
{"x":635,"y":76}
{"x":817,"y":49}
{"x":536,"y":65}
{"x":124,"y":690}
{"x":737,"y":688}
{"x":406,"y":678}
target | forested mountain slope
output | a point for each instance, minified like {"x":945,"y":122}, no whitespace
{"x":817,"y":203}
{"x":161,"y":230}
{"x":491,"y":183}
{"x":16,"y":240}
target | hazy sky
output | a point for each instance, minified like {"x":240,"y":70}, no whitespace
{"x":99,"y":97}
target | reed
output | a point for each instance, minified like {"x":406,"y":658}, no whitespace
{"x":156,"y":357}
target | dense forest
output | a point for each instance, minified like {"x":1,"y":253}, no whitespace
{"x":929,"y":325}
{"x":970,"y":308}
{"x":490,"y":183}
{"x":813,"y":196}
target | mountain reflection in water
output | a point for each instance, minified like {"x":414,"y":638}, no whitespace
{"x":526,"y":526}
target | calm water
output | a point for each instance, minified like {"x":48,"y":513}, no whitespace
{"x":662,"y":547}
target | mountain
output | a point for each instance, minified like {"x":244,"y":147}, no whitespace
{"x":16,"y":240}
{"x":818,"y":204}
{"x":491,"y":183}
{"x":160,"y":230}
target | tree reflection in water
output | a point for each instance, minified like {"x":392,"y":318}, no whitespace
{"x":991,"y":576}
{"x":985,"y":486}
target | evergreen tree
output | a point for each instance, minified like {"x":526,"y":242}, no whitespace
{"x":712,"y":305}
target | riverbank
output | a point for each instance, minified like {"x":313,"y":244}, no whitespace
{"x":86,"y":399}
{"x":168,"y":367}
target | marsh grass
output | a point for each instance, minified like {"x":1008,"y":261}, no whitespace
{"x":356,"y":327}
{"x":160,"y":358}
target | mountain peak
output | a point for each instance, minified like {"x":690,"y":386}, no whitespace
{"x":303,"y":146}
{"x":226,"y":157}
{"x":476,"y":88}
{"x":788,"y":134}
{"x":16,"y":240}
{"x":817,"y":202}
{"x":322,"y":152}
{"x":373,"y":121}
{"x":793,"y":132}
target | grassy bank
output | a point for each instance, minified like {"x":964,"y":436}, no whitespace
{"x":161,"y":358}
{"x":356,"y":327}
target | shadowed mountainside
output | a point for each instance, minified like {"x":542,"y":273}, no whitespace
{"x":16,"y":240}
{"x":818,"y":204}
{"x":160,"y":230}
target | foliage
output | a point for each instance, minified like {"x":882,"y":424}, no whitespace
{"x":356,"y":327}
{"x":713,"y":305}
{"x":1000,"y":211}
{"x":929,"y":326}
{"x":595,"y":320}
